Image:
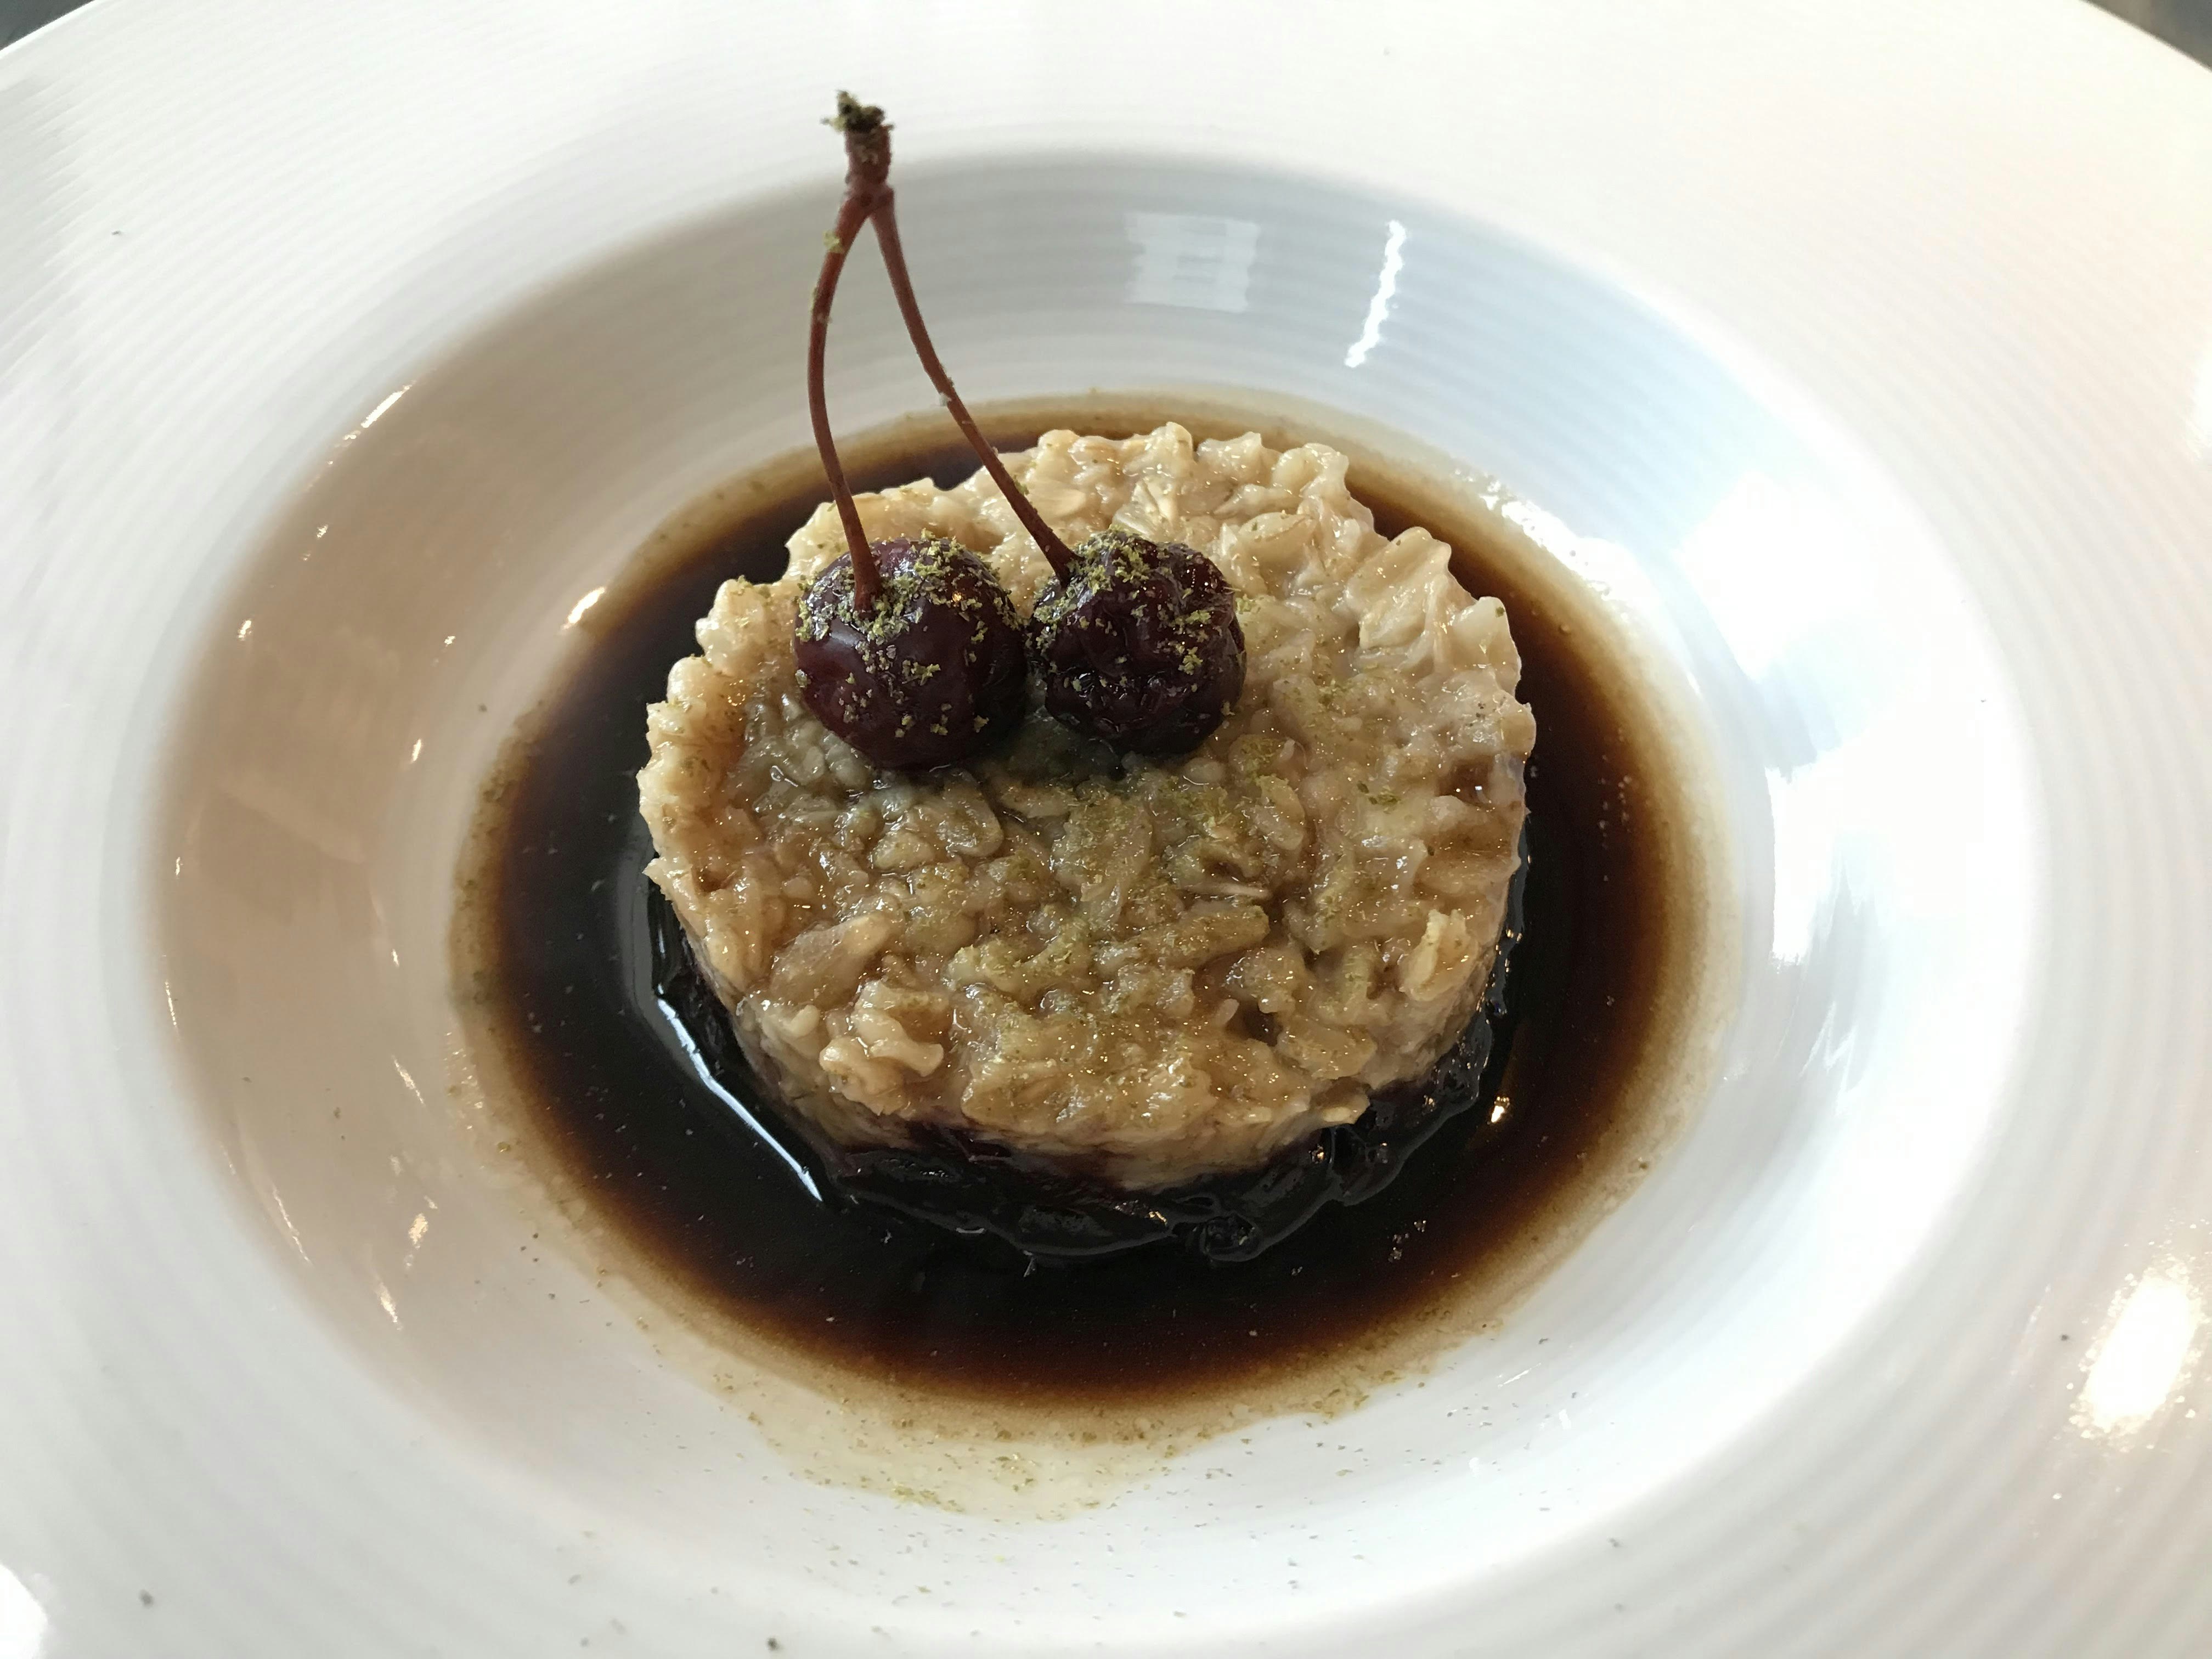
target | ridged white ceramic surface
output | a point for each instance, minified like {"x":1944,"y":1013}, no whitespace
{"x":1866,"y":353}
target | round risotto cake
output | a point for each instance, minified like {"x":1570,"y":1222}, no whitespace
{"x":1139,"y":971}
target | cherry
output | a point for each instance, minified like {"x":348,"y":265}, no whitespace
{"x":1137,"y":644}
{"x":1136,"y":641}
{"x":931,"y":673}
{"x":910,"y":650}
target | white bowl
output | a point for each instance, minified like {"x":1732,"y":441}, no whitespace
{"x":310,"y":516}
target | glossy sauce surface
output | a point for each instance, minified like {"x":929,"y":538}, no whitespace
{"x":555,"y":949}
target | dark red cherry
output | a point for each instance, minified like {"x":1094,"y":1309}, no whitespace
{"x":930,"y":674}
{"x":910,"y":650}
{"x":1136,"y":641}
{"x":1137,"y":644}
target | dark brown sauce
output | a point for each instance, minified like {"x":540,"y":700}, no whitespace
{"x":563,"y":975}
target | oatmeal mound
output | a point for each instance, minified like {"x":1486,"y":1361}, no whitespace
{"x":1142,"y":970}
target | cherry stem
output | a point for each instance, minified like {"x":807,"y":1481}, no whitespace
{"x":867,"y":161}
{"x":887,"y":237}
